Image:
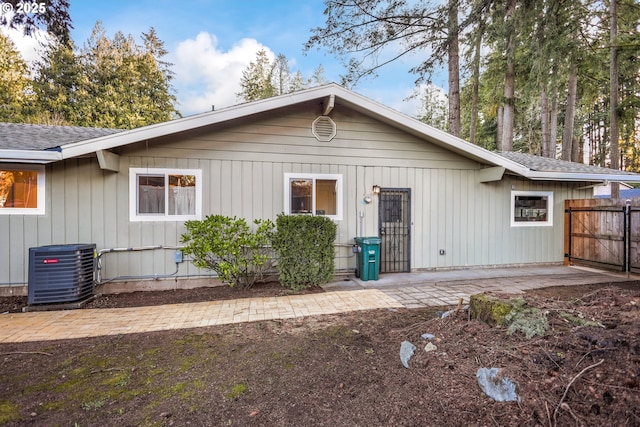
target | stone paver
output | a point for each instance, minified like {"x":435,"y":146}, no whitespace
{"x":392,"y":291}
{"x":69,"y":324}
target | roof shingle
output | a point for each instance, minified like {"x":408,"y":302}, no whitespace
{"x":545,"y":164}
{"x":20,"y":136}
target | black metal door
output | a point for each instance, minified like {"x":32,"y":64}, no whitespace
{"x":394,"y":222}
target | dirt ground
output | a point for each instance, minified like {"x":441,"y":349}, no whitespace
{"x":339,"y":370}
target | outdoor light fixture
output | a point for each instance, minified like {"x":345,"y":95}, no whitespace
{"x":376,"y":189}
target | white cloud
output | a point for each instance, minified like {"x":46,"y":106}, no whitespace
{"x":28,"y":46}
{"x":206,"y":75}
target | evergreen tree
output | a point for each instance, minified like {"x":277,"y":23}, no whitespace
{"x":256,"y":82}
{"x":368,"y":34}
{"x":263,"y":78}
{"x":14,"y":82}
{"x":434,"y":106}
{"x":57,"y":86}
{"x":124,"y":85}
{"x":55,"y":19}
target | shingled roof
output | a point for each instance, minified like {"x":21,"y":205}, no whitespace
{"x":545,"y":164}
{"x":46,"y":144}
{"x":20,"y":136}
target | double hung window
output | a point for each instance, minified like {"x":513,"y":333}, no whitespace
{"x":165,"y":194}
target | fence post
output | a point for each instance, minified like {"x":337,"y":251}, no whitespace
{"x":627,"y":236}
{"x":568,"y":232}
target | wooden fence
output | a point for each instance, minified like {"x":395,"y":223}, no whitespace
{"x":603,"y":233}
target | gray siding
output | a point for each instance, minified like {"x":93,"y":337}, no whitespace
{"x":243,"y":168}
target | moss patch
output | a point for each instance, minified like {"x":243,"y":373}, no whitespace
{"x":490,"y":309}
{"x":236,"y":391}
{"x":8,"y":412}
{"x":513,"y":313}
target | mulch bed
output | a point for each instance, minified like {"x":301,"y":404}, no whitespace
{"x":339,"y":370}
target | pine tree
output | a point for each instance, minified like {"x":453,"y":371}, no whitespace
{"x":256,"y":82}
{"x":125,"y":85}
{"x":57,"y":86}
{"x":14,"y":82}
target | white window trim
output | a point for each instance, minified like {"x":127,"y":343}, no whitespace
{"x":133,"y":194}
{"x":41,"y":209}
{"x":314,"y":176}
{"x":547,"y":223}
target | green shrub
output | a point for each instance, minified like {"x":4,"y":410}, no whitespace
{"x":229,"y":247}
{"x":305,"y":251}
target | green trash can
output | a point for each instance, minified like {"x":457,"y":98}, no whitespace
{"x":368,"y":258}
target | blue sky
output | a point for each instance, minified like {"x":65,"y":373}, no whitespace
{"x":211,"y":42}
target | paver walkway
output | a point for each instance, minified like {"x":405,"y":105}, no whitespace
{"x":392,"y":291}
{"x":55,"y":325}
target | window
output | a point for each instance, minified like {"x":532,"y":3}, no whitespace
{"x":313,"y":194}
{"x":531,"y":208}
{"x":165,"y":194}
{"x":22,"y":190}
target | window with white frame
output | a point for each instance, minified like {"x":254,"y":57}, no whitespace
{"x":22,"y":189}
{"x":531,"y":208}
{"x":165,"y":194}
{"x":313,"y":194}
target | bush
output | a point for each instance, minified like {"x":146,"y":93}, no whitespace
{"x":304,"y":248}
{"x":229,"y":247}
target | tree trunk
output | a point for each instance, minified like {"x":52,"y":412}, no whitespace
{"x":454,"y":70}
{"x":613,"y":76}
{"x":567,"y":136}
{"x":509,"y":81}
{"x":544,"y":119}
{"x":575,"y":149}
{"x":476,"y":83}
{"x":553,"y":122}
{"x":499,"y":116}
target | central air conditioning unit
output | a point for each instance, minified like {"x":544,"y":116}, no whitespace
{"x":61,"y":273}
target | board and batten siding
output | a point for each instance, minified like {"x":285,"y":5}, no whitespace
{"x":243,"y":166}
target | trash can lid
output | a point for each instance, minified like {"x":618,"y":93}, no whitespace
{"x":370,"y":240}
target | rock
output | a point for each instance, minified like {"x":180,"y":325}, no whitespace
{"x":406,"y":351}
{"x":427,"y":336}
{"x":497,"y":387}
{"x":430,"y":347}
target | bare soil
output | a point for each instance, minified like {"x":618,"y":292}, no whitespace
{"x":338,"y":370}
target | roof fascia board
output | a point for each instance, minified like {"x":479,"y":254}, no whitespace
{"x":29,"y":156}
{"x":576,"y":176}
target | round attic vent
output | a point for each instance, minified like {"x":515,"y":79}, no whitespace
{"x":323,"y":128}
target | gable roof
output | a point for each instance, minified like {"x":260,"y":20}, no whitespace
{"x":531,"y":167}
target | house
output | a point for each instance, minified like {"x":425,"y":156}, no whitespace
{"x":626,"y":191}
{"x":435,"y":200}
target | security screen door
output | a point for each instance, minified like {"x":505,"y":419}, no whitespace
{"x":394,"y":222}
